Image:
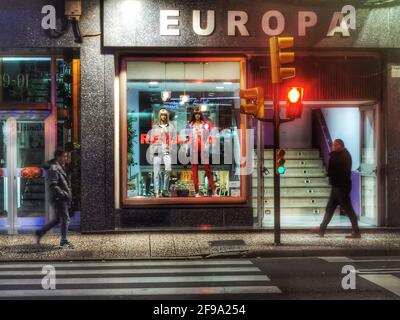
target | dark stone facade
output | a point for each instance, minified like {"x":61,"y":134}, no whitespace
{"x":391,"y":130}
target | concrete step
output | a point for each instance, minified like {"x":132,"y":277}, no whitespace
{"x":368,"y":193}
{"x":296,"y":192}
{"x":312,"y":202}
{"x":319,"y":172}
{"x":293,"y":182}
{"x":294,"y":154}
{"x":295,"y":163}
{"x":305,"y":173}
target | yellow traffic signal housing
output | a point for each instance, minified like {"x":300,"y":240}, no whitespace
{"x":278,"y":58}
{"x":252,"y":102}
{"x":280,"y":161}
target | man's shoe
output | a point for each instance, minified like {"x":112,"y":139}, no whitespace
{"x":354,"y":235}
{"x":38,"y":236}
{"x":318,"y":232}
{"x":66,"y":245}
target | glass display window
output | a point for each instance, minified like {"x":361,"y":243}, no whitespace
{"x":25,"y":80}
{"x":182,"y":133}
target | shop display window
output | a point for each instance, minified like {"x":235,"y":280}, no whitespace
{"x":25,"y":80}
{"x":182,"y":131}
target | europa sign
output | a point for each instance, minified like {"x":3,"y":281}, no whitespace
{"x":272,"y":22}
{"x":226,"y":23}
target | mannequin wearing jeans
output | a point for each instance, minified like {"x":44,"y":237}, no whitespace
{"x":161,"y":139}
{"x":199,"y":145}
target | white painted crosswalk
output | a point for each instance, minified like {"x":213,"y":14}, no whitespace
{"x":386,"y":281}
{"x":366,"y":268}
{"x":136,"y":278}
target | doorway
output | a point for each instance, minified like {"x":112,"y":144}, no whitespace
{"x":22,"y":179}
{"x":305,"y":186}
{"x":368,"y":166}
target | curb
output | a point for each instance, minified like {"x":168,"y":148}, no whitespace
{"x":329,"y":252}
{"x":246,"y":254}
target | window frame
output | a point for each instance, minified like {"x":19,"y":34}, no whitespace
{"x":131,"y":202}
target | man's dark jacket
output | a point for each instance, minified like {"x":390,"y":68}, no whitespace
{"x":339,"y":169}
{"x":58,"y":182}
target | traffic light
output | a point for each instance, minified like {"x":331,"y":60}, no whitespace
{"x":294,"y":103}
{"x":280,"y":161}
{"x":252,"y":102}
{"x":276,"y":44}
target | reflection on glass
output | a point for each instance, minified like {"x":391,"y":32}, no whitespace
{"x":25,"y":80}
{"x":368,"y":166}
{"x":184,"y":143}
{"x":3,"y":172}
{"x":30,"y":155}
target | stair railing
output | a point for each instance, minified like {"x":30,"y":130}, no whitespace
{"x":321,"y":136}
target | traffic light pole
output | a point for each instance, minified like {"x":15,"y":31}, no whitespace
{"x":277,"y":187}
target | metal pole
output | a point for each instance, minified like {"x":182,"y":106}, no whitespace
{"x":277,"y":187}
{"x":260,"y":173}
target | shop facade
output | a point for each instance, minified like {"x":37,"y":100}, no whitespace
{"x":142,"y":73}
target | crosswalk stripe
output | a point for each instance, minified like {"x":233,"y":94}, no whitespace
{"x":140,"y":291}
{"x":370,"y":270}
{"x":139,"y":280}
{"x":336,"y":259}
{"x":386,"y":281}
{"x":132,"y":271}
{"x":125,"y":264}
{"x":377,"y":272}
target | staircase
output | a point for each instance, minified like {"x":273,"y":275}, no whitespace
{"x":304,"y":187}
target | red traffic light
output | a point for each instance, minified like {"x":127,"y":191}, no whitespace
{"x":294,"y":95}
{"x":294,"y":103}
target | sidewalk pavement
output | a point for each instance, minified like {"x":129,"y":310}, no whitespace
{"x":184,"y":245}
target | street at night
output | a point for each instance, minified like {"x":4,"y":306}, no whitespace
{"x":175,"y":151}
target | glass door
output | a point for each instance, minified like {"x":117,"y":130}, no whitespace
{"x":368,"y":167}
{"x":3,"y":176}
{"x":22,"y":182}
{"x":29,"y":176}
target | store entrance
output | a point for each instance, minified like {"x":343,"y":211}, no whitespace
{"x":305,"y":186}
{"x":22,"y":182}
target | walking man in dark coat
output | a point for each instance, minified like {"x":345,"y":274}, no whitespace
{"x":60,"y":197}
{"x":339,"y":173}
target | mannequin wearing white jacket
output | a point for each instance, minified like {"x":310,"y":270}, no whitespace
{"x":161,"y":142}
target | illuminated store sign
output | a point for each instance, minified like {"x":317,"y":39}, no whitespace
{"x":272,"y":22}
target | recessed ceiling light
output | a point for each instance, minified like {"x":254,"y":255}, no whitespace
{"x":165,"y":95}
{"x":203,"y":107}
{"x":228,"y":83}
{"x":220,"y":87}
{"x":184,"y":99}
